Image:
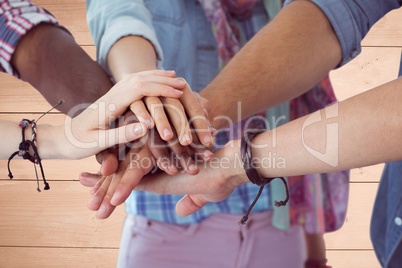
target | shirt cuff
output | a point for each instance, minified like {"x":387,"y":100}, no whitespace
{"x":15,"y":23}
{"x":346,"y":30}
{"x":122,"y":28}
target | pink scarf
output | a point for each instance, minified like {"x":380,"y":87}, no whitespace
{"x":219,"y":14}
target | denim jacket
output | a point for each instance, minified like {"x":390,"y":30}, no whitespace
{"x":184,"y":41}
{"x":351,"y":20}
{"x":386,"y":223}
{"x":176,"y":26}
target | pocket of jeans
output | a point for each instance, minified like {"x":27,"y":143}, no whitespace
{"x":164,"y":232}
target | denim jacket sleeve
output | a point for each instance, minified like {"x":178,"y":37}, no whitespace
{"x":111,"y":20}
{"x":352,"y":19}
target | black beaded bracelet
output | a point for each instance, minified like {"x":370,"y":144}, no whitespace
{"x":252,"y":173}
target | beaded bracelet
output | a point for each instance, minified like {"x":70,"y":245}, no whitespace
{"x":252,"y":173}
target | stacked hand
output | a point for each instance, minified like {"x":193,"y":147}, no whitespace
{"x":216,"y":180}
{"x":90,"y":132}
{"x":178,"y":129}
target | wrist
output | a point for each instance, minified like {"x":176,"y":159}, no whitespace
{"x":237,"y":174}
{"x":50,"y":142}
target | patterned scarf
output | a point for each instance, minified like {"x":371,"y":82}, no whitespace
{"x":220,"y":14}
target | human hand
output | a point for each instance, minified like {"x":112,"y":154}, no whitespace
{"x":216,"y":181}
{"x":90,"y":132}
{"x":168,"y":116}
{"x":112,"y":190}
{"x":130,"y":171}
{"x":165,"y":113}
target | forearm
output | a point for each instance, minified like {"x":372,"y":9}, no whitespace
{"x":50,"y":139}
{"x":360,"y":131}
{"x":51,"y":61}
{"x":131,"y":54}
{"x":286,"y":58}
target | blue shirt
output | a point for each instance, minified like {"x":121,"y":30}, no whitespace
{"x":351,"y":20}
{"x":184,"y":42}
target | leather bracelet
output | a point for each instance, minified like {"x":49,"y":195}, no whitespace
{"x":252,"y":173}
{"x":24,"y":149}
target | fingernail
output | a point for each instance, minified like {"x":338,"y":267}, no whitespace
{"x":185,"y":137}
{"x":148,"y":123}
{"x":172,"y":168}
{"x":138,"y":129}
{"x":181,"y":81}
{"x":102,"y":209}
{"x":115,"y":197}
{"x":192,"y":168}
{"x":207,"y":140}
{"x":167,"y":133}
{"x":94,"y":200}
{"x":208,"y":155}
{"x":170,"y":72}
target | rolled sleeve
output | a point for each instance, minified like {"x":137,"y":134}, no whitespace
{"x":17,"y":17}
{"x":111,"y":20}
{"x":352,"y":19}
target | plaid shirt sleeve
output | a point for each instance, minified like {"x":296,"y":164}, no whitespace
{"x":17,"y":17}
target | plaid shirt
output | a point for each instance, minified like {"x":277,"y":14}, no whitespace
{"x":17,"y":17}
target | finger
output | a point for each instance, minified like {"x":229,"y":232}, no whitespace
{"x":97,"y":198}
{"x":189,"y":204}
{"x":121,"y":135}
{"x":161,"y":153}
{"x":198,"y":150}
{"x":108,"y":160}
{"x":184,"y":159}
{"x":139,"y":166}
{"x":89,"y":179}
{"x":106,"y":208}
{"x":141,"y":112}
{"x":157,"y":111}
{"x":204,"y":104}
{"x":97,"y":185}
{"x":178,"y":119}
{"x":133,"y":87}
{"x":197,"y":117}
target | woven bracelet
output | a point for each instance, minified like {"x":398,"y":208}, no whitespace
{"x":252,"y":173}
{"x":24,"y":152}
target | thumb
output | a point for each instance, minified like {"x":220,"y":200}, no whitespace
{"x":189,"y":204}
{"x":125,"y":134}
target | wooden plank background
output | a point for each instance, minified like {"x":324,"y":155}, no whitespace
{"x":55,"y":229}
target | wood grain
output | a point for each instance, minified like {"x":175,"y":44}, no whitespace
{"x":57,"y":222}
{"x":71,"y":14}
{"x":17,"y":96}
{"x":352,"y":259}
{"x":354,"y":235}
{"x":387,"y":32}
{"x":32,"y":257}
{"x":55,"y":218}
